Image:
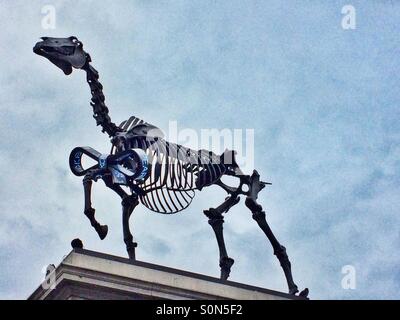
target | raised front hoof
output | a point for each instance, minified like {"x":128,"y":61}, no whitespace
{"x":102,"y":231}
{"x":226,"y":264}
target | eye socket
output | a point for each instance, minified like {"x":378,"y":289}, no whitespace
{"x":77,"y":42}
{"x":74,"y":40}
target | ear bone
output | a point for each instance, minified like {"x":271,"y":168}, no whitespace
{"x":73,"y":39}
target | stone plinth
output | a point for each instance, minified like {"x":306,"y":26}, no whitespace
{"x":91,"y":275}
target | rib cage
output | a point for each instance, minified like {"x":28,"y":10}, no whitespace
{"x":175,"y":172}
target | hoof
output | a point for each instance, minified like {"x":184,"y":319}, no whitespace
{"x":225,"y":265}
{"x":131,"y":254}
{"x":102,"y":231}
{"x":304,"y":293}
{"x":131,"y":250}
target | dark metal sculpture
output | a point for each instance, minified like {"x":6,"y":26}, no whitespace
{"x":163,"y":176}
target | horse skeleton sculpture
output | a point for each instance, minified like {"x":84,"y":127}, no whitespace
{"x":161,"y":175}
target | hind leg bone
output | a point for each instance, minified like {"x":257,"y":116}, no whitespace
{"x":216,"y":221}
{"x":255,"y":186}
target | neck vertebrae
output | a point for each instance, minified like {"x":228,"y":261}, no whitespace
{"x":100,"y":110}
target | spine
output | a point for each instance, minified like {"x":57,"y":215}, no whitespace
{"x":100,"y":110}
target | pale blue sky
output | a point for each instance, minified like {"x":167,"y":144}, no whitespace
{"x":323,"y":102}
